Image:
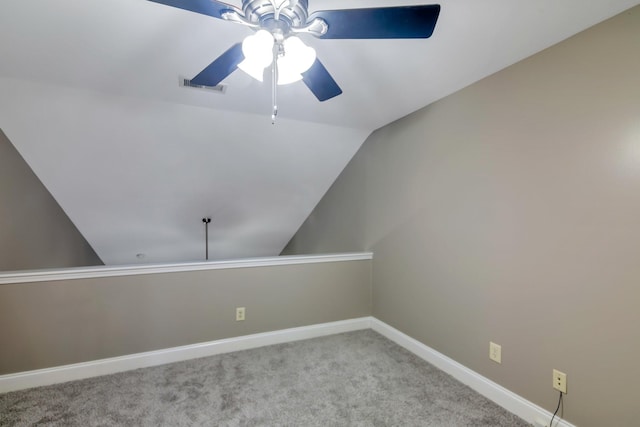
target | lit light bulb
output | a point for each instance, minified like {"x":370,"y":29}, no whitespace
{"x":258,"y":54}
{"x":297,"y":59}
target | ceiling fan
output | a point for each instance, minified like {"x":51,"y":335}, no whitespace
{"x":278,"y":22}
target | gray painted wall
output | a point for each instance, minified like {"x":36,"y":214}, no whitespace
{"x":34,"y":230}
{"x":48,"y":324}
{"x":510,"y":211}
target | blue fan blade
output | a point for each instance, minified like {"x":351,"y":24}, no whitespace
{"x":205,"y":7}
{"x":219,"y":69}
{"x":403,"y":22}
{"x":318,"y":79}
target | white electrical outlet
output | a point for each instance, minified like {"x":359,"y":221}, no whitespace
{"x":560,"y":381}
{"x":495,"y":352}
{"x":240,"y":313}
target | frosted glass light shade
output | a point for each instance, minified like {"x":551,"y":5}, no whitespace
{"x":297,"y":59}
{"x":258,"y":54}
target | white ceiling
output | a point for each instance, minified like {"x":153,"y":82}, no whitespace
{"x":89,"y":95}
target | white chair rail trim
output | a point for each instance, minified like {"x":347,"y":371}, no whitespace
{"x":132,"y":270}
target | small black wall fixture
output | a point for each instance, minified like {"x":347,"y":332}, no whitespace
{"x":206,"y":221}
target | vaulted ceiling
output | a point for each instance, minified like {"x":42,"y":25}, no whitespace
{"x":89,"y":95}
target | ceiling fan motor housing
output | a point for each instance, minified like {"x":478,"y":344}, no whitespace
{"x":264,"y":12}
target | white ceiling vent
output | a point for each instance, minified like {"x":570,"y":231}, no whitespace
{"x":221,"y":89}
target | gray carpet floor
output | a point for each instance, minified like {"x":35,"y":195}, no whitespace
{"x":351,"y":379}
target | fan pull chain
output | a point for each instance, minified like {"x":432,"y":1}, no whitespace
{"x":274,"y":84}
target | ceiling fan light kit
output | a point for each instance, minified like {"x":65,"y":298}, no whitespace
{"x":257,"y":50}
{"x":292,"y":55}
{"x":277,"y":24}
{"x":295,"y":60}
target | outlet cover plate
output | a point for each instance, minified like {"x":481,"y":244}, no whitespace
{"x":560,"y":381}
{"x":495,"y":352}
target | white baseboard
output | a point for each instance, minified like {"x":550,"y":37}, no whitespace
{"x":526,"y":410}
{"x":77,"y":371}
{"x":513,"y":403}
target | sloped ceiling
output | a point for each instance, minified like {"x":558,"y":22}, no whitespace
{"x":89,"y":95}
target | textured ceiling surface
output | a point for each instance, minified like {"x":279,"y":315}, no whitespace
{"x":89,"y":95}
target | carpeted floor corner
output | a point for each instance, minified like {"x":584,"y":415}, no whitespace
{"x":351,"y":379}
